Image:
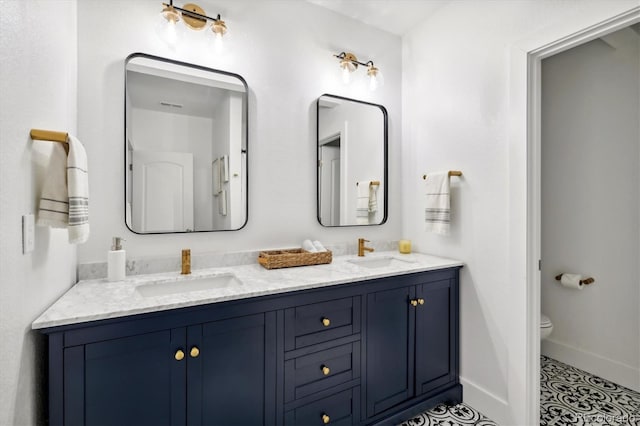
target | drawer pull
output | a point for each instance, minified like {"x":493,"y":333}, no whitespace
{"x":194,"y":352}
{"x":421,"y":301}
{"x":326,"y":419}
{"x":413,"y":302}
{"x":325,"y":370}
{"x":179,"y":356}
{"x":326,"y":322}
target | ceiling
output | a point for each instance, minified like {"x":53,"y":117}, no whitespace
{"x":155,"y":93}
{"x":394,"y":16}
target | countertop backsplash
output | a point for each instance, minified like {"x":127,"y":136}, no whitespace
{"x":154,"y":265}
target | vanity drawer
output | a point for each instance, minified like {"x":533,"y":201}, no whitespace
{"x":340,"y":409}
{"x":309,"y":374}
{"x":319,"y":322}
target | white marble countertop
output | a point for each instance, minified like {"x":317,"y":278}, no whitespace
{"x":99,"y":299}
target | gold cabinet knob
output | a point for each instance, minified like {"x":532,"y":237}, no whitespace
{"x":179,"y":356}
{"x":194,"y":352}
{"x":326,"y":370}
{"x":421,"y":301}
{"x":326,"y":419}
{"x":413,"y":302}
{"x":326,"y":322}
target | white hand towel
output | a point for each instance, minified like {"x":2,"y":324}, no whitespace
{"x":318,"y":245}
{"x":373,"y":198}
{"x":362,"y":203}
{"x":54,"y":200}
{"x":78,"y":184}
{"x":64,"y":202}
{"x":308,"y":246}
{"x":437,"y":209}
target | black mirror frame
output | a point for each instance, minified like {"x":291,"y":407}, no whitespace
{"x":386,"y":159}
{"x":245,"y":150}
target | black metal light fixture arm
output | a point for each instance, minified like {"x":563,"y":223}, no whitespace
{"x":191,"y":13}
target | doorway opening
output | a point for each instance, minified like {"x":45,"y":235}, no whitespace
{"x":533,"y":178}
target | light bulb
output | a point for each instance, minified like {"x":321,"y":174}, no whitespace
{"x":373,"y":83}
{"x":218,"y":43}
{"x":346,"y":75}
{"x":168,"y":27}
{"x":218,"y":30}
{"x":171,"y":33}
{"x":375,"y":78}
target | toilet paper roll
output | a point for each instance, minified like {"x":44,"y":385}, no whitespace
{"x":571,"y":281}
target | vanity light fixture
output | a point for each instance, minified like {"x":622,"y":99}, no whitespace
{"x":193,"y":17}
{"x":349,"y":63}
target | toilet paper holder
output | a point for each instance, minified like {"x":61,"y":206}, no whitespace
{"x":586,"y":281}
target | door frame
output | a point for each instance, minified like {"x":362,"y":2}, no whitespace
{"x":525,"y":172}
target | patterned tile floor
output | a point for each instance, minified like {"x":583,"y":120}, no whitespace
{"x":568,"y":397}
{"x":456,"y":415}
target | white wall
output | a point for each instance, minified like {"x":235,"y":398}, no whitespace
{"x":456,"y":115}
{"x":591,"y":205}
{"x":38,"y":89}
{"x":284,"y":50}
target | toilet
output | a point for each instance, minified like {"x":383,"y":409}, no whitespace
{"x":546,"y":326}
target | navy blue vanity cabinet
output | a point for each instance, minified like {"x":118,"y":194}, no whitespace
{"x":364,"y":353}
{"x":228,"y":374}
{"x":129,"y":380}
{"x":390,"y":348}
{"x":436,"y":325}
{"x":322,"y":360}
{"x":412,"y":343}
{"x":129,"y":372}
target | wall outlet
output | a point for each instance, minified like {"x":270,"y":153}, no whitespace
{"x":28,"y":233}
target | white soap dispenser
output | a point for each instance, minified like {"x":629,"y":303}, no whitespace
{"x":116,"y":261}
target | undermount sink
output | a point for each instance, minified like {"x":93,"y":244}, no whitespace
{"x":185,"y":286}
{"x":380,"y":262}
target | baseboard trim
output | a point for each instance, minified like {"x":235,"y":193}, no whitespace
{"x":621,"y":374}
{"x":488,"y":403}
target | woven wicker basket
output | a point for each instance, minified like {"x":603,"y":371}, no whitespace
{"x":288,"y":258}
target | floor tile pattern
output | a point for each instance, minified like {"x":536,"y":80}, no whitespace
{"x":569,"y":396}
{"x":455,"y":415}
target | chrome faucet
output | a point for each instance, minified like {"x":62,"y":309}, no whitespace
{"x":361,"y":246}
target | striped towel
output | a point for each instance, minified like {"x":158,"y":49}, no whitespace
{"x":78,"y":184}
{"x":54,"y":200}
{"x":362,"y":203}
{"x":437,"y":210}
{"x":65,"y":197}
{"x":373,"y":198}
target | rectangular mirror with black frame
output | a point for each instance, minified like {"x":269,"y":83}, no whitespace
{"x":352,"y":162}
{"x":185,"y":147}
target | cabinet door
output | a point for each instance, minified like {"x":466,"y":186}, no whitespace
{"x":231,"y":381}
{"x":434,"y":336}
{"x":127,"y":381}
{"x":390,"y":348}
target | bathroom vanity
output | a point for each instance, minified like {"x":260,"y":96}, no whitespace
{"x":354,"y":342}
